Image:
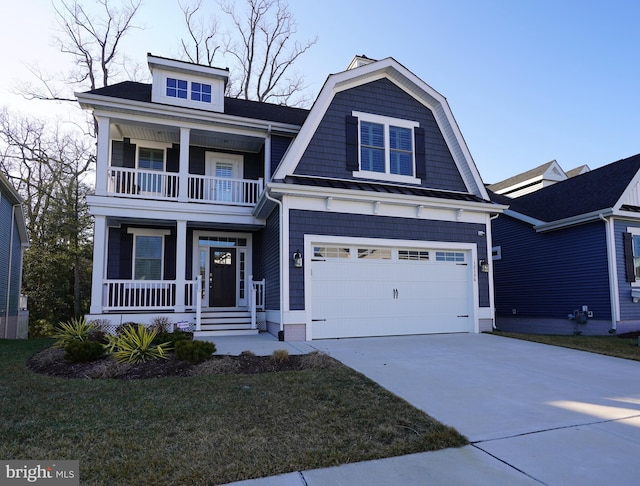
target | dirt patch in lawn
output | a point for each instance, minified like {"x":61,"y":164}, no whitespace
{"x":51,"y":362}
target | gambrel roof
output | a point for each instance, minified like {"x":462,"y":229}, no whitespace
{"x":404,"y":79}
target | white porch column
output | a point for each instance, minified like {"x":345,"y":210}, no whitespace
{"x":183,"y":175}
{"x":102,"y":157}
{"x":181,"y":266}
{"x":267,"y":157}
{"x":99,"y":263}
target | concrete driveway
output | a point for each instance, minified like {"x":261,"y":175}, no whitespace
{"x":556,"y":415}
{"x":535,"y":414}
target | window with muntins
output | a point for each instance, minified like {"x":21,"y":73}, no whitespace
{"x":386,"y":148}
{"x":177,"y":88}
{"x":148,"y":258}
{"x":150,"y":159}
{"x":201,"y":92}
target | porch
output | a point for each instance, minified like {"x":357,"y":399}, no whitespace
{"x":144,"y":300}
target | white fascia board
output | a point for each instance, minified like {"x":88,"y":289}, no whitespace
{"x":170,"y":210}
{"x":279,"y":189}
{"x":573,"y":220}
{"x":627,"y":192}
{"x":186,"y":67}
{"x":108,"y":105}
{"x":403,"y":78}
{"x":523,"y":217}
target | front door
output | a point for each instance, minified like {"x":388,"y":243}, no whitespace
{"x":222,"y":277}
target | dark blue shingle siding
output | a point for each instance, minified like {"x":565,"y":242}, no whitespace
{"x":549,"y":275}
{"x":326,"y":153}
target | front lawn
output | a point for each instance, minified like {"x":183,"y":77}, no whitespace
{"x":204,"y":429}
{"x":619,"y":347}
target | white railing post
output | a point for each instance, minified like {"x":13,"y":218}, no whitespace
{"x":198,"y":301}
{"x":252,"y":304}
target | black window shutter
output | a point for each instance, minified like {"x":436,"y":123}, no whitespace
{"x":627,"y":239}
{"x":129,"y":155}
{"x":352,"y":142}
{"x":126,"y":255}
{"x":421,"y":155}
{"x":170,"y":257}
{"x":117,"y":153}
{"x":173,"y":158}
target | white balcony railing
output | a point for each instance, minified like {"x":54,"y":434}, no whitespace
{"x":142,"y":183}
{"x":165,"y":185}
{"x":225,"y":191}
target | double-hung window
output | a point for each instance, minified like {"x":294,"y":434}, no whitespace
{"x":151,"y":161}
{"x":148,"y":257}
{"x":386,"y":148}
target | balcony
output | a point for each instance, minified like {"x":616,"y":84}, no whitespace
{"x":149,"y":184}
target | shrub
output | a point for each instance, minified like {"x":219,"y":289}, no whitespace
{"x":172,"y":337}
{"x":135,"y":345}
{"x":280,"y":355}
{"x":82,"y":351}
{"x":74,"y":330}
{"x":318,"y":359}
{"x":219,"y":366}
{"x":194,"y":351}
{"x":161,"y":324}
{"x":120,"y":329}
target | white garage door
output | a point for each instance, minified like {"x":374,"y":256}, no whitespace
{"x":379,"y":291}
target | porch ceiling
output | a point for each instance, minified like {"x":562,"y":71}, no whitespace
{"x":202,"y":138}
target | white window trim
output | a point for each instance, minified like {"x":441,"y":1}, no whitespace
{"x":148,"y":144}
{"x":387,"y":121}
{"x":635,"y":232}
{"x":147,"y":232}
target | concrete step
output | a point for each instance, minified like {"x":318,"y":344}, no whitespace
{"x":224,"y":332}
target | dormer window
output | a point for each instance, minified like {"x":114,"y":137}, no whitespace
{"x":386,"y":148}
{"x":177,"y":88}
{"x":201,"y":92}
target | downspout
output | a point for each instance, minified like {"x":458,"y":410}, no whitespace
{"x":282,"y":262}
{"x":612,"y":280}
{"x":490,"y":255}
{"x":6,"y":312}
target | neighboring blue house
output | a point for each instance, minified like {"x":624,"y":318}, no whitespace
{"x":571,"y":246}
{"x":364,"y":216}
{"x":14,"y":317}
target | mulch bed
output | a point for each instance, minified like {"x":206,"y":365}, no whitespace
{"x":51,"y":362}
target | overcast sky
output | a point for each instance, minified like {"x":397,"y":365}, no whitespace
{"x":527,"y":80}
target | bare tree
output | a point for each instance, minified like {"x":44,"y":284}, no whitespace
{"x":202,"y":46}
{"x":92,"y":40}
{"x":261,"y":46}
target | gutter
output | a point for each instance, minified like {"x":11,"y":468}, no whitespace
{"x":613,"y":287}
{"x":281,"y":229}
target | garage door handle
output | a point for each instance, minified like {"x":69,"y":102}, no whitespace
{"x":395,"y":293}
{"x":318,"y":320}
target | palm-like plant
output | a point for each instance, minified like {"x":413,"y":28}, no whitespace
{"x":77,"y":329}
{"x":135,"y":345}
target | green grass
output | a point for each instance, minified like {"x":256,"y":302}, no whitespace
{"x":607,"y":345}
{"x":204,"y":429}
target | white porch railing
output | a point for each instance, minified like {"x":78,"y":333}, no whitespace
{"x":138,"y":183}
{"x":224,"y":191}
{"x":134,"y":295}
{"x":142,"y":183}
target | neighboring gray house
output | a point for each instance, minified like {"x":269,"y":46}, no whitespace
{"x":364,"y":216}
{"x":14,"y":317}
{"x":567,"y":256}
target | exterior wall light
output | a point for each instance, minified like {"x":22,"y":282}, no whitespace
{"x":484,"y":266}
{"x":297,"y":259}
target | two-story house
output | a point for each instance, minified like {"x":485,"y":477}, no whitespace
{"x":363,"y":216}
